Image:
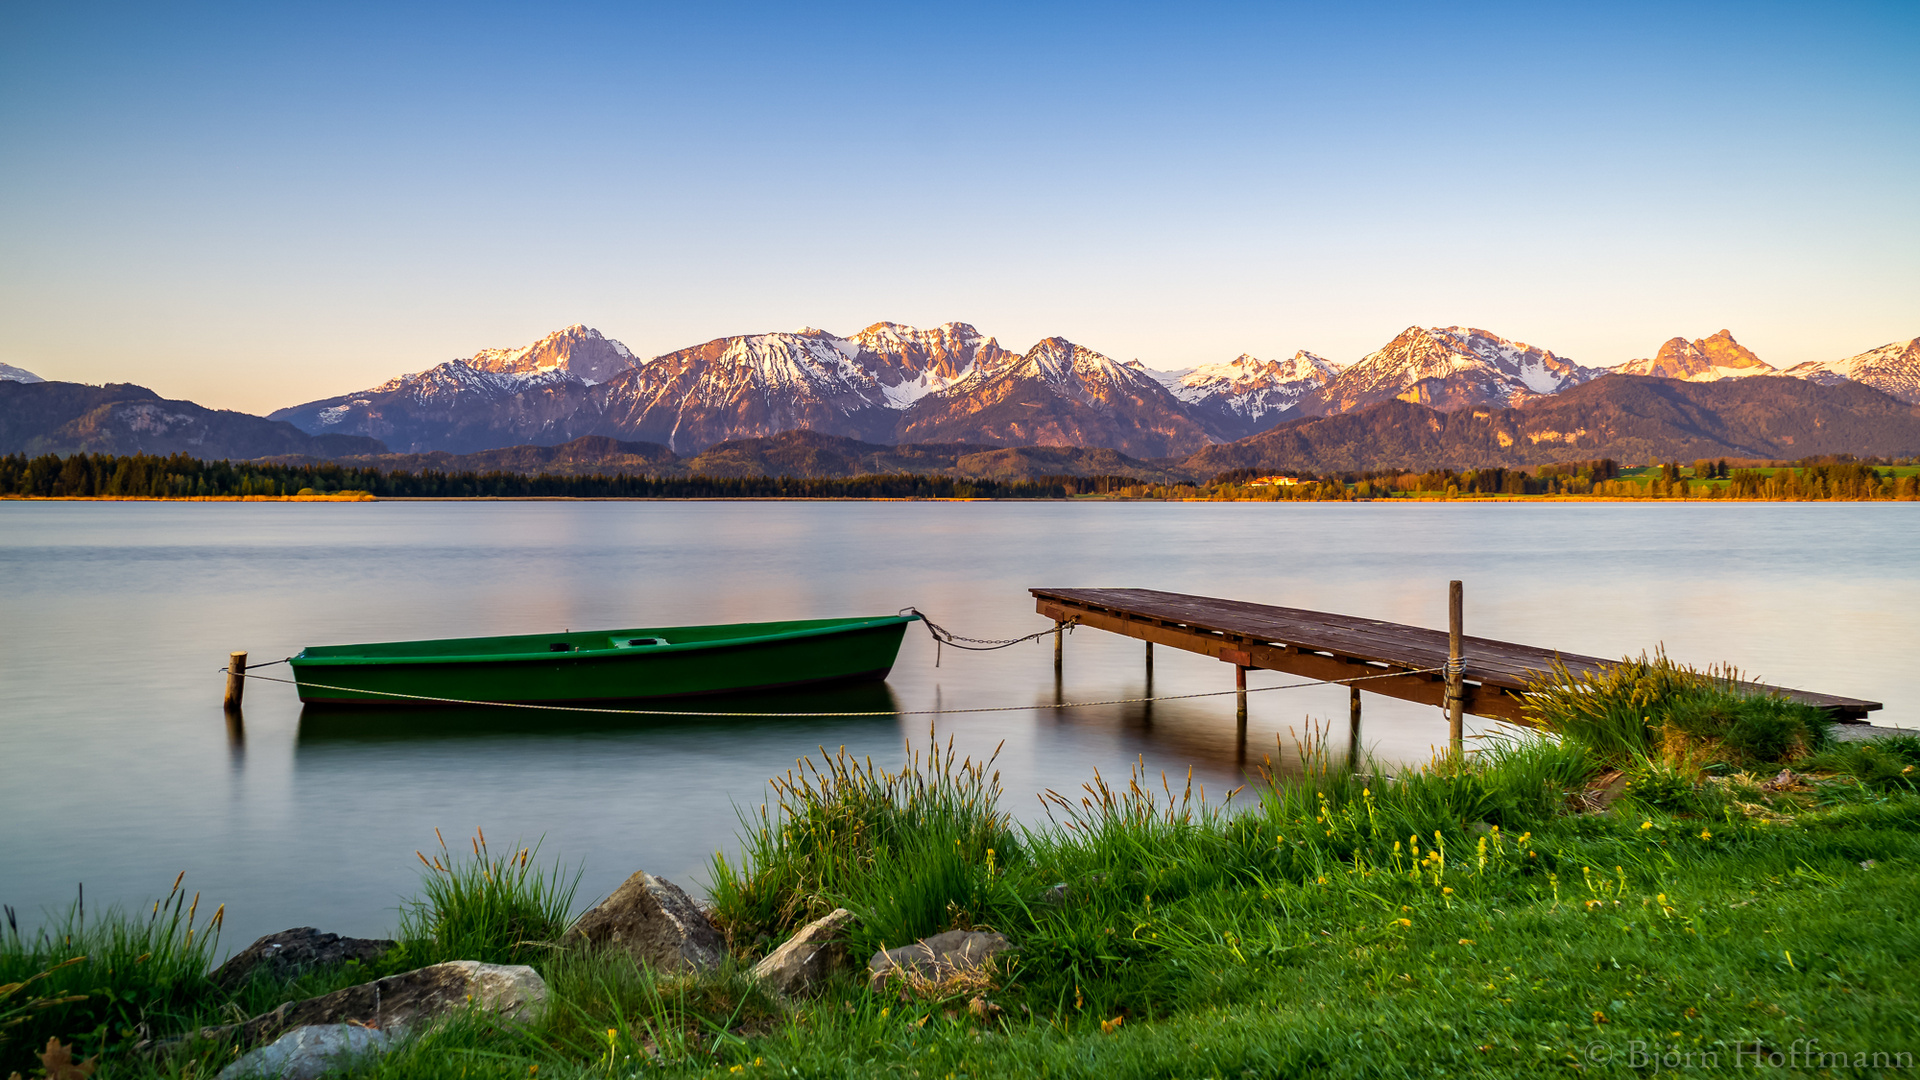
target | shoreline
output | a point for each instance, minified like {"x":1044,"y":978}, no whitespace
{"x":1270,"y":932}
{"x":361,"y":497}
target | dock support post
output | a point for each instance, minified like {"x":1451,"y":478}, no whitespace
{"x":1240,"y":698}
{"x":1353,"y":723}
{"x":1149,"y":702}
{"x":1059,"y":639}
{"x":236,"y":680}
{"x":1456,"y":674}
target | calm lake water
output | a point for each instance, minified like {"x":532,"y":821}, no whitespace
{"x":118,"y":770}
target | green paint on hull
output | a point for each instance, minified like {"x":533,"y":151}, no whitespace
{"x":604,"y":665}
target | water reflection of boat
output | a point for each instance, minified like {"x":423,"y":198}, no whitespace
{"x":603,"y":665}
{"x":744,"y":713}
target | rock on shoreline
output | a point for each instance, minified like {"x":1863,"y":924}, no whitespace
{"x":655,"y":921}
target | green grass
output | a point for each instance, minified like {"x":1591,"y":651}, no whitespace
{"x":1652,"y":707}
{"x":104,"y":979}
{"x":1457,"y":919}
{"x":500,"y":909}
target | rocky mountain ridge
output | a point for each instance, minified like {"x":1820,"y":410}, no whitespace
{"x":1628,"y":417}
{"x":1449,"y":368}
{"x":120,"y":418}
{"x":1891,"y":369}
{"x":1702,"y":360}
{"x":1631,"y":418}
{"x":891,"y":383}
{"x":1058,"y":394}
{"x":1247,"y":394}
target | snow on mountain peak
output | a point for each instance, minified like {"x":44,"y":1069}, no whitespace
{"x":9,"y":373}
{"x":579,"y":350}
{"x":912,"y":363}
{"x":1451,"y":367}
{"x":1891,"y":369}
{"x":1247,"y":389}
{"x":1704,"y":360}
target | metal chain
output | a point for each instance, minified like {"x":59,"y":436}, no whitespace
{"x":947,"y":637}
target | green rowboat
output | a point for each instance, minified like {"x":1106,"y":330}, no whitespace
{"x":602,"y":665}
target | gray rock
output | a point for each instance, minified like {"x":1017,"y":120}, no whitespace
{"x":288,"y":953}
{"x":656,"y":922}
{"x":937,"y":957}
{"x":809,"y":957}
{"x":408,"y":1001}
{"x":309,"y":1052}
{"x":1057,"y":895}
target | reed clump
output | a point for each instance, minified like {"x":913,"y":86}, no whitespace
{"x":911,"y":851}
{"x":501,"y":909}
{"x":105,"y":979}
{"x":1652,"y":708}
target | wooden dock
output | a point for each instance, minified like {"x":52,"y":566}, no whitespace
{"x":1333,"y":648}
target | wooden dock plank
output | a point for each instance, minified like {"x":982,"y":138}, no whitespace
{"x":1329,"y":646}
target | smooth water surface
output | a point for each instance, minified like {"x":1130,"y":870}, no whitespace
{"x":117,"y":768}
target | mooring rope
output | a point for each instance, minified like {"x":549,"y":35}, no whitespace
{"x":877,"y":712}
{"x":943,"y":636}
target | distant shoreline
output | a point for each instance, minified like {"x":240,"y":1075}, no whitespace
{"x":1424,"y":499}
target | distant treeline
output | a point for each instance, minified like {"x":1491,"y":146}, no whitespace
{"x":182,"y":477}
{"x":1810,"y":479}
{"x":179,"y":476}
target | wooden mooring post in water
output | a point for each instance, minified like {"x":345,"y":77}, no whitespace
{"x":236,"y":680}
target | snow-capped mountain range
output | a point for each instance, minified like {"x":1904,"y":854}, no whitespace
{"x":9,"y":373}
{"x":892,"y":383}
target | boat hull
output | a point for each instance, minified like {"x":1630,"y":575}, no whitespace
{"x":599,"y":666}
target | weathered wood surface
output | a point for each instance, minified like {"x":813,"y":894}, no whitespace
{"x":1324,"y":645}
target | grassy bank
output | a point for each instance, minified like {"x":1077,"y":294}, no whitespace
{"x":1639,"y":888}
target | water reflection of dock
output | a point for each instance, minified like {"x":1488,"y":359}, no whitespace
{"x":1394,"y":659}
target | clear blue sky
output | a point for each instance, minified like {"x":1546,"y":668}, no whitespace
{"x":255,"y":204}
